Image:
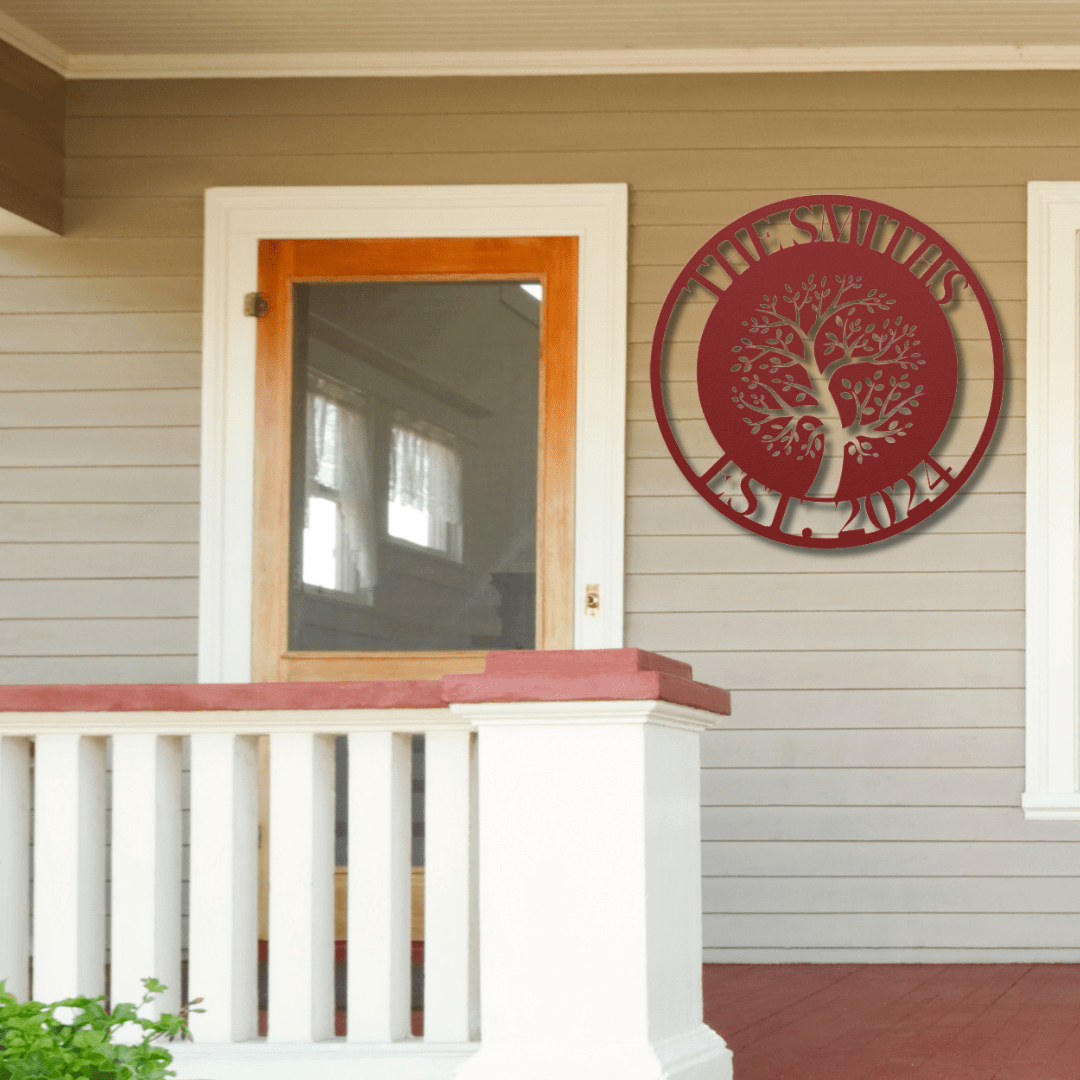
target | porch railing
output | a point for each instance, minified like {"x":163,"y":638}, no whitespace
{"x":562,"y":916}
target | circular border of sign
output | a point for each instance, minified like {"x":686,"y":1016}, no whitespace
{"x":922,"y":485}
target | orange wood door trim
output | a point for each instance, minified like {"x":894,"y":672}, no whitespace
{"x":550,"y":259}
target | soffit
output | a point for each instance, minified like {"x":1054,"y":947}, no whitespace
{"x":179,"y":38}
{"x":333,"y":26}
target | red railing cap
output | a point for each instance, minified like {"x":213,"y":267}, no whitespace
{"x":555,"y":675}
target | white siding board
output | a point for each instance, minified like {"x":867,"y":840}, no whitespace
{"x":978,"y":895}
{"x":871,"y":748}
{"x":898,"y":858}
{"x":899,"y":930}
{"x":1045,"y":90}
{"x":100,"y":560}
{"x":848,"y":631}
{"x":138,"y":483}
{"x":943,"y":208}
{"x":642,"y":130}
{"x":820,"y":169}
{"x":33,"y":670}
{"x":100,"y":521}
{"x":933,"y":823}
{"x":742,"y":553}
{"x":998,"y":786}
{"x":868,"y":670}
{"x":68,"y":295}
{"x":111,"y":332}
{"x":98,"y":637}
{"x":100,"y":408}
{"x":72,"y":257}
{"x":99,"y":446}
{"x":904,"y":707}
{"x":133,"y":217}
{"x":910,"y":592}
{"x":100,"y":598}
{"x":99,"y":371}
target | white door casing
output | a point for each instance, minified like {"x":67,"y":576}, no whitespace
{"x":237,"y":218}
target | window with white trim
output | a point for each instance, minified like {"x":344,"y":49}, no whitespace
{"x":1052,"y":787}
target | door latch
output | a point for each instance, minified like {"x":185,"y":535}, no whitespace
{"x":592,"y":599}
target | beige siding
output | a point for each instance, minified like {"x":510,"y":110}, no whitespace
{"x":32,"y":135}
{"x":863,"y":801}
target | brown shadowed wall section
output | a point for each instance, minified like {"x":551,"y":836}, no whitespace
{"x":32,"y":137}
{"x":862,"y":801}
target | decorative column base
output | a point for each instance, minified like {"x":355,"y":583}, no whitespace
{"x":696,"y":1055}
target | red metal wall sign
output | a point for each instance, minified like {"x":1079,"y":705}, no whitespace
{"x":849,"y":371}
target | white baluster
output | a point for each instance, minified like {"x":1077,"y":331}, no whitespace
{"x":301,"y":932}
{"x":15,"y":865}
{"x":451,"y":954}
{"x":223,"y":906}
{"x":69,"y":866}
{"x":380,"y":835}
{"x":146,"y":869}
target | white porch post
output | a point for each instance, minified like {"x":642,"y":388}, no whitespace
{"x":590,"y":893}
{"x":223,"y":908}
{"x":380,"y":831}
{"x":69,"y":866}
{"x":451,"y":949}
{"x":15,"y":865}
{"x":301,"y":932}
{"x":146,"y":869}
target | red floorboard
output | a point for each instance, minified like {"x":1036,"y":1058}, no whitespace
{"x":887,"y":1021}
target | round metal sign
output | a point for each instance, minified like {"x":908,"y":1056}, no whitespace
{"x":848,"y":370}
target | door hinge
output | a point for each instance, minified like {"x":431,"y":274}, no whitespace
{"x":255,"y":305}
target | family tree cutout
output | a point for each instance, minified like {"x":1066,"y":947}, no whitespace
{"x":836,"y":382}
{"x":789,"y":400}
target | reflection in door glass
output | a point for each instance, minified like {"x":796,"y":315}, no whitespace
{"x":414,"y":461}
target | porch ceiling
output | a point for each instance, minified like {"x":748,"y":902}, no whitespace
{"x":104,"y":38}
{"x":252,"y":26}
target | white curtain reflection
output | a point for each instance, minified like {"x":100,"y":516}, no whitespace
{"x":339,"y":535}
{"x":425,"y":492}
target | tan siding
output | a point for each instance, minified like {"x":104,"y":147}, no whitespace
{"x":32,"y":135}
{"x":123,"y":561}
{"x":862,"y":801}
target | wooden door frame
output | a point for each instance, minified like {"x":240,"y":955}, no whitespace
{"x":551,"y":260}
{"x":237,"y":218}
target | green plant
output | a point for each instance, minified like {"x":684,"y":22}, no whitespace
{"x":35,"y":1043}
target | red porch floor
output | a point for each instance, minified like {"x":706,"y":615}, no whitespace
{"x":885,"y":1021}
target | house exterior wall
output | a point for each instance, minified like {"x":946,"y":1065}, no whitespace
{"x":863,"y":801}
{"x":32,"y":135}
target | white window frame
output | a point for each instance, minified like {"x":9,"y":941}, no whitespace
{"x":237,"y":218}
{"x":1052,"y":788}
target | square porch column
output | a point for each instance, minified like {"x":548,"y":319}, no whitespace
{"x":590,"y":869}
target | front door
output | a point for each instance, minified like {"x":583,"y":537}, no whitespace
{"x":415,"y":420}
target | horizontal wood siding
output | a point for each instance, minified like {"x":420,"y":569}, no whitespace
{"x":863,"y":800}
{"x":32,"y":137}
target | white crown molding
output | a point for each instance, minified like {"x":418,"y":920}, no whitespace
{"x":538,"y":62}
{"x":34,"y":45}
{"x":580,"y":62}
